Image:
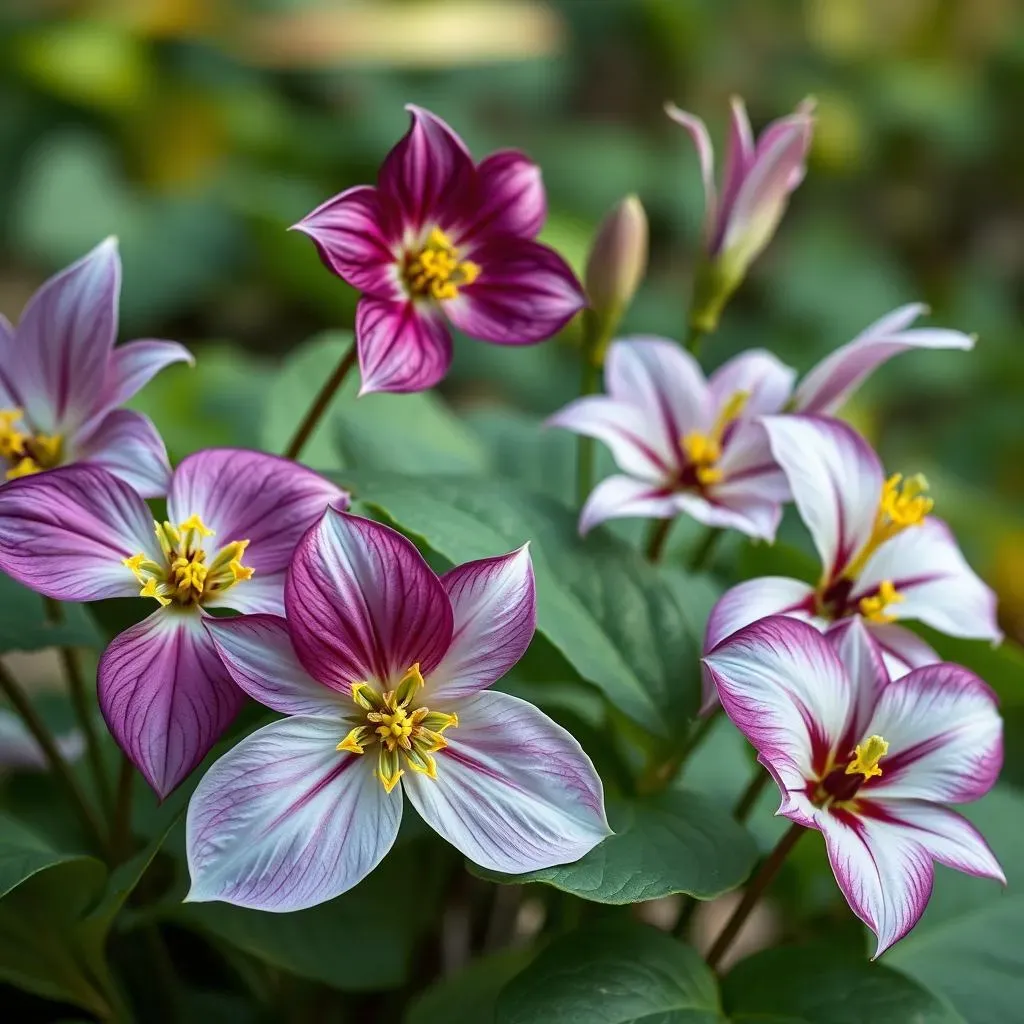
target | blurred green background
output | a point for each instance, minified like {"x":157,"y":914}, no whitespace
{"x":198,"y":130}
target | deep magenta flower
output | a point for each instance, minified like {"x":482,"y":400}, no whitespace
{"x":62,"y":380}
{"x":233,"y":520}
{"x":868,"y":761}
{"x":383,"y":668}
{"x":441,"y":238}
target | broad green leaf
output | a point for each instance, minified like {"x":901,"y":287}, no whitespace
{"x":414,"y":434}
{"x":676,"y":842}
{"x":809,"y":986}
{"x":625,"y":974}
{"x":24,"y":854}
{"x":610,"y":614}
{"x":26,"y":625}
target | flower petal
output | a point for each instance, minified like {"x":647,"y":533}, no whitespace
{"x":8,"y":399}
{"x":165,"y":695}
{"x":402,"y":346}
{"x":836,"y":481}
{"x":784,"y":688}
{"x":495,"y":614}
{"x":514,"y":791}
{"x":739,"y":155}
{"x":901,"y":649}
{"x":862,"y":658}
{"x":283,"y":821}
{"x":64,"y":340}
{"x":428,"y":174}
{"x":134,"y":365}
{"x":706,"y":156}
{"x":246,"y":495}
{"x":944,"y":733}
{"x":831,"y":382}
{"x":937,"y":585}
{"x":257,"y":651}
{"x":759,"y":374}
{"x":510,"y":197}
{"x":525,"y":293}
{"x":355,"y":242}
{"x":363,"y":605}
{"x":618,"y":497}
{"x":262,"y":594}
{"x":744,"y":510}
{"x":126,"y":444}
{"x":65,"y":533}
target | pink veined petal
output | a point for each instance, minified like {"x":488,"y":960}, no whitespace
{"x":403,"y":346}
{"x":783,"y":687}
{"x":363,"y":605}
{"x":261,"y":594}
{"x":514,"y":791}
{"x":65,"y":533}
{"x":698,"y":132}
{"x":834,"y":379}
{"x":937,"y":585}
{"x":165,"y":695}
{"x":525,"y":293}
{"x":635,"y":437}
{"x":247,"y":495}
{"x":494,"y":605}
{"x":739,"y":155}
{"x":126,"y":444}
{"x":284,"y":821}
{"x":744,"y":510}
{"x":619,"y":497}
{"x":355,"y":241}
{"x":836,"y":481}
{"x":257,"y":651}
{"x":428,"y":174}
{"x":885,"y":875}
{"x":664,"y":382}
{"x":863,"y":660}
{"x":760,"y":375}
{"x":64,"y":341}
{"x":902,"y":650}
{"x":510,"y":198}
{"x":134,"y":365}
{"x":944,"y":733}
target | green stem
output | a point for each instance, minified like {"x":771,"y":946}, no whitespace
{"x":703,"y":552}
{"x":320,"y":404}
{"x":61,"y":770}
{"x":661,"y":774}
{"x":754,"y":891}
{"x":656,"y":538}
{"x":121,"y":829}
{"x":748,"y":799}
{"x":585,"y":445}
{"x":694,"y":337}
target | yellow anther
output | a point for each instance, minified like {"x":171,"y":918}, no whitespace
{"x":409,"y":685}
{"x":435,"y":271}
{"x":195,"y":523}
{"x":874,"y":607}
{"x":703,"y":450}
{"x":149,"y":590}
{"x":356,"y":740}
{"x":47,"y":449}
{"x":868,"y":754}
{"x":904,"y":502}
{"x":24,"y":467}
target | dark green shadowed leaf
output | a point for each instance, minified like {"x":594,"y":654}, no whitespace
{"x":613,"y":975}
{"x":676,"y":842}
{"x":25,"y":626}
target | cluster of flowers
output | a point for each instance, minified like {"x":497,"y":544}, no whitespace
{"x":382,"y":668}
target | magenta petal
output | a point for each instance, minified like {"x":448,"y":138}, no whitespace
{"x":165,"y":695}
{"x":66,"y":533}
{"x":402,"y":346}
{"x":134,"y":365}
{"x":525,"y":293}
{"x":348,"y":231}
{"x":246,"y":495}
{"x":739,"y":155}
{"x":428,"y":173}
{"x":363,"y":605}
{"x":257,"y":651}
{"x":284,"y":821}
{"x":495,"y":614}
{"x":126,"y":444}
{"x":64,"y":340}
{"x":510,"y":197}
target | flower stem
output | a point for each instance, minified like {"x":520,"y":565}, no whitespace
{"x":694,"y":337}
{"x":659,"y":775}
{"x":701,"y":554}
{"x":750,"y":795}
{"x":585,"y":445}
{"x":320,"y":404}
{"x":121,"y":829}
{"x":61,"y":770}
{"x":656,"y":538}
{"x":754,"y":891}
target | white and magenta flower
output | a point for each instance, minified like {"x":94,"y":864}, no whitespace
{"x":233,"y":520}
{"x":443,"y":239}
{"x":382,"y":668}
{"x":62,"y":380}
{"x":884,"y":557}
{"x":868,"y":761}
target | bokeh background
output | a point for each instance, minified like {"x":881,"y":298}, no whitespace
{"x":198,"y":130}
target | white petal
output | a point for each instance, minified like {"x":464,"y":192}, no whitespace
{"x":767,"y":380}
{"x":618,"y":497}
{"x":901,"y":649}
{"x":864,"y":663}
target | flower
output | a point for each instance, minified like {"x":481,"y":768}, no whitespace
{"x":758,"y":179}
{"x":62,"y":380}
{"x":868,"y":761}
{"x":884,"y":557}
{"x":442,"y":238}
{"x":233,"y":520}
{"x":382,"y":668}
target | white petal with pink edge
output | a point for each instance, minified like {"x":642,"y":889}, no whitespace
{"x":901,"y":649}
{"x":758,"y":374}
{"x":618,"y":497}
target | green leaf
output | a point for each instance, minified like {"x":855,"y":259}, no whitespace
{"x":808,"y":986}
{"x":25,"y":625}
{"x":611,"y":615}
{"x":414,"y":434}
{"x":676,"y":842}
{"x":613,"y":975}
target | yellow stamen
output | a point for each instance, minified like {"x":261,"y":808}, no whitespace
{"x":30,"y":453}
{"x":873,"y":607}
{"x":24,"y":467}
{"x":868,"y":754}
{"x":195,"y":523}
{"x":703,"y":451}
{"x":356,"y":740}
{"x":435,"y":270}
{"x":903,"y":505}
